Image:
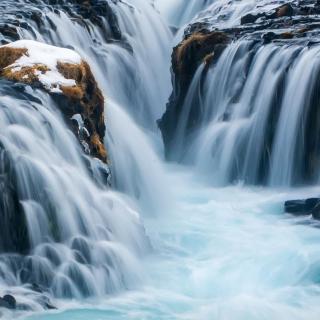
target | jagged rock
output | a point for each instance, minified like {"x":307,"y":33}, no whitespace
{"x":68,"y":79}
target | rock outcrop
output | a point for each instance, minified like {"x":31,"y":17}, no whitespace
{"x":303,"y":207}
{"x":69,"y":80}
{"x":199,"y":47}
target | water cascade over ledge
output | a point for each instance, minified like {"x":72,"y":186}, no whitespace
{"x":257,"y":116}
{"x":183,"y":218}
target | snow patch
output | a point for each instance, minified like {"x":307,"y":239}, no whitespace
{"x":44,"y":54}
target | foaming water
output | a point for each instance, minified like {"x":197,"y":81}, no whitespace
{"x":226,"y":253}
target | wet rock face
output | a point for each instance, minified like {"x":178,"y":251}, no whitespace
{"x":80,"y":96}
{"x":87,"y":100}
{"x":200,"y":46}
{"x":203,"y":44}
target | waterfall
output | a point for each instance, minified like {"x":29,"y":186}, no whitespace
{"x":77,"y":238}
{"x":257,"y":114}
{"x":134,"y":73}
{"x":201,"y":237}
{"x":132,"y":70}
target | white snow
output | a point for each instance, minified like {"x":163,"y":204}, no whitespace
{"x":41,"y":53}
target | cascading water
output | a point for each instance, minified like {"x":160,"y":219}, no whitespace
{"x":179,"y":12}
{"x":203,"y":252}
{"x":220,"y":13}
{"x":82,"y":239}
{"x":257,"y":119}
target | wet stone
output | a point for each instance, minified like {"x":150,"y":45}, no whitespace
{"x":303,"y":207}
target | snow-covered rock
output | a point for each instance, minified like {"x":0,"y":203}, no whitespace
{"x":68,"y":78}
{"x":41,"y":60}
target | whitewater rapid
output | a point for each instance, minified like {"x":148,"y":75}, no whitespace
{"x":220,"y":253}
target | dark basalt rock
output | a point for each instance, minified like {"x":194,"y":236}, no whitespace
{"x":8,"y":301}
{"x":304,"y":207}
{"x":285,"y":10}
{"x":301,"y":207}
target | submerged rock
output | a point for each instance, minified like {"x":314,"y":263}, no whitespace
{"x":303,"y":207}
{"x":69,"y":80}
{"x":8,"y":301}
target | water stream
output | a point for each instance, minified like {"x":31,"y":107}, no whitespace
{"x":196,"y":239}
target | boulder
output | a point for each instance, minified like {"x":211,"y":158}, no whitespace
{"x":303,"y":207}
{"x":8,"y":301}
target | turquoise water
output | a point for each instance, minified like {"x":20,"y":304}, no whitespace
{"x":225,"y":253}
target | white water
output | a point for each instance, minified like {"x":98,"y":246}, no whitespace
{"x":218,"y":253}
{"x":84,"y":239}
{"x":225,"y":253}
